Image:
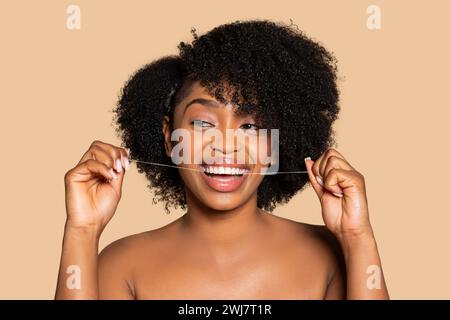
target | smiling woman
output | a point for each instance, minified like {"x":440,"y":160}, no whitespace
{"x":271,"y":73}
{"x":246,"y":77}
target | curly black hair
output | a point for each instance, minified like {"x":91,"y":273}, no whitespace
{"x":270,"y":70}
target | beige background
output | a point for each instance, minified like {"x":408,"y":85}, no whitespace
{"x":58,"y":88}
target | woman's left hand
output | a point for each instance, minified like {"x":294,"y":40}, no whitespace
{"x":342,"y":194}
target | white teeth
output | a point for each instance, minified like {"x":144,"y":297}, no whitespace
{"x":224,"y":170}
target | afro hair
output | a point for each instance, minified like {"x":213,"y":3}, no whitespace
{"x":275,"y":72}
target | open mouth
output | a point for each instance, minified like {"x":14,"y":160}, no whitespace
{"x":224,"y":170}
{"x":224,"y":177}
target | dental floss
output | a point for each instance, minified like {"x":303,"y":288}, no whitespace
{"x":192,"y":169}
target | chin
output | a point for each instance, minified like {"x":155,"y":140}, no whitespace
{"x":222,"y":202}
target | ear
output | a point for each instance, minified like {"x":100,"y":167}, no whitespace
{"x":167,"y":132}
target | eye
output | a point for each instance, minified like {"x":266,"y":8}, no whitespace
{"x":201,"y":124}
{"x":249,"y":126}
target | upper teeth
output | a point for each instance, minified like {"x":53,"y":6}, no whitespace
{"x":224,"y":170}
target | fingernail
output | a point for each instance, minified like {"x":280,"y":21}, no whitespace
{"x":127,"y":164}
{"x":118,"y":165}
{"x":340,"y":195}
{"x":319,"y":180}
{"x":113,"y":174}
{"x":309,"y":158}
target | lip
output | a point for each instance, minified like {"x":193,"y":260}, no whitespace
{"x":225,"y":183}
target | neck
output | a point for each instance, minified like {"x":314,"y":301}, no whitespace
{"x":226,"y":229}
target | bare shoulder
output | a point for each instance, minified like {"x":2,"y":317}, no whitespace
{"x":313,"y":241}
{"x":118,"y":261}
{"x":318,"y":234}
{"x":131,"y":247}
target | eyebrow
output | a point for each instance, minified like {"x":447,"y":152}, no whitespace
{"x":202,"y":101}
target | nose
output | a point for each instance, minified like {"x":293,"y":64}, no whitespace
{"x":229,"y":143}
{"x":229,"y":146}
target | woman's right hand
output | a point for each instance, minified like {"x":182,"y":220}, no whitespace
{"x":93,"y":188}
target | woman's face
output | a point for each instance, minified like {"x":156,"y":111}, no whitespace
{"x":223,"y":163}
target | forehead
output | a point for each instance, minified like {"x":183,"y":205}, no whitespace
{"x":195,"y":91}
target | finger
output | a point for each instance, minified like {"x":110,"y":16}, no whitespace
{"x":124,"y":158}
{"x":312,"y":178}
{"x":334,"y":162}
{"x":339,"y":180}
{"x":88,"y":154}
{"x":121,"y":164}
{"x":121,"y":157}
{"x":114,"y":152}
{"x":316,"y":168}
{"x":117,"y":183}
{"x":101,"y":155}
{"x":331,"y":153}
{"x":89,"y":169}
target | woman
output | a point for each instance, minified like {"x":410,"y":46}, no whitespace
{"x":244,"y":76}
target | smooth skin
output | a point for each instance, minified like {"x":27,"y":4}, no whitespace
{"x":223,"y":247}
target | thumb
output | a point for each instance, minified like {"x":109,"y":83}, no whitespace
{"x":312,"y":179}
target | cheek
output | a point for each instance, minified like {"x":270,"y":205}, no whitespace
{"x":260,"y":152}
{"x":256,"y":180}
{"x":191,"y":180}
{"x":198,"y":147}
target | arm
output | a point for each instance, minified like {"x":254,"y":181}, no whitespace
{"x":105,"y":269}
{"x":77,"y":276}
{"x":92,"y":193}
{"x":342,"y":194}
{"x":365,"y":279}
